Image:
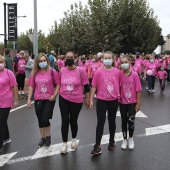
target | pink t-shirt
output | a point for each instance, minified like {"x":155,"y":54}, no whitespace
{"x":168,"y":63}
{"x":135,"y":69}
{"x":72,"y":82}
{"x":130,"y":85}
{"x":7,"y":80}
{"x":117,"y":63}
{"x":162,"y":63}
{"x":85,"y":68}
{"x":44,"y":84}
{"x":61,"y":64}
{"x":139,"y":63}
{"x":162,"y":75}
{"x":94,"y":67}
{"x":100,"y":64}
{"x":153,"y":67}
{"x":21,"y":66}
{"x":107,"y":84}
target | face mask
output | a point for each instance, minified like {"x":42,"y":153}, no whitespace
{"x":152,"y":60}
{"x":69,"y":61}
{"x":162,"y":69}
{"x":137,"y":56}
{"x":83,"y":62}
{"x":125,"y":66}
{"x":2,"y":66}
{"x":43,"y":64}
{"x":132,"y":63}
{"x":93,"y":59}
{"x":107,"y":62}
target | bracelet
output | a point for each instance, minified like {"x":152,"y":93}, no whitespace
{"x":55,"y":95}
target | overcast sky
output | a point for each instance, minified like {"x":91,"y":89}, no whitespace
{"x":50,"y":10}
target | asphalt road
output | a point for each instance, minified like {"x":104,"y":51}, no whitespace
{"x":151,"y":152}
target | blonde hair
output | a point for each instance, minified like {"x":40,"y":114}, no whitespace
{"x":36,"y":65}
{"x":22,"y":52}
{"x":3,"y":58}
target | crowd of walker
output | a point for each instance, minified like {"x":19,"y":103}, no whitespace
{"x":113,"y":79}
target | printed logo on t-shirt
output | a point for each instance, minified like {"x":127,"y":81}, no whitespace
{"x":109,"y":83}
{"x":127,"y":87}
{"x":69,"y":83}
{"x":43,"y":88}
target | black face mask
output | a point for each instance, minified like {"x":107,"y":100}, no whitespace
{"x":83,"y":62}
{"x":87,"y":58}
{"x":69,"y":61}
{"x":132,"y":63}
{"x":137,"y":56}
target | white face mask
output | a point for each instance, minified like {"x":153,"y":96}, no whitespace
{"x":151,"y":60}
{"x":107,"y":62}
{"x":125,"y":66}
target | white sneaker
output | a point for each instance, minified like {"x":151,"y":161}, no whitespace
{"x":124,"y":144}
{"x":63,"y":149}
{"x":147,"y":88}
{"x":74,"y":143}
{"x":131,"y":143}
{"x":23,"y":92}
{"x":19,"y":92}
{"x":6,"y":141}
{"x":153,"y":91}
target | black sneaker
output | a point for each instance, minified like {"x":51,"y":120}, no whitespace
{"x":0,"y":150}
{"x":48,"y":141}
{"x":42,"y":142}
{"x":112,"y":144}
{"x":96,"y":150}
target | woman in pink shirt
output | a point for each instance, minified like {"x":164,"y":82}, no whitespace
{"x":42,"y":82}
{"x":162,"y":75}
{"x":106,"y":82}
{"x":8,"y":91}
{"x":152,"y":66}
{"x":84,"y":65}
{"x":93,"y":67}
{"x":20,"y":72}
{"x":130,"y":87}
{"x":61,"y":62}
{"x":73,"y":81}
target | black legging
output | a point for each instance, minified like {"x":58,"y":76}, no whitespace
{"x":168,"y":72}
{"x":69,"y":115}
{"x":20,"y":81}
{"x":102,"y":107}
{"x":162,"y":84}
{"x":128,"y":113}
{"x":4,"y":132}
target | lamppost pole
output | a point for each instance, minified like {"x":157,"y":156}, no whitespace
{"x":5,"y":40}
{"x":35,"y":42}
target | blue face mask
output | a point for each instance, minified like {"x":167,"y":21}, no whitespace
{"x":43,"y":64}
{"x":162,"y":69}
{"x":107,"y":62}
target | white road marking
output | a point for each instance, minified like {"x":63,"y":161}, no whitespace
{"x":43,"y":152}
{"x":5,"y":158}
{"x":20,"y":107}
{"x":157,"y":130}
{"x":55,"y":149}
{"x":52,"y":150}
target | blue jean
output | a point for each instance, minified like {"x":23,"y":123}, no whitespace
{"x":151,"y":82}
